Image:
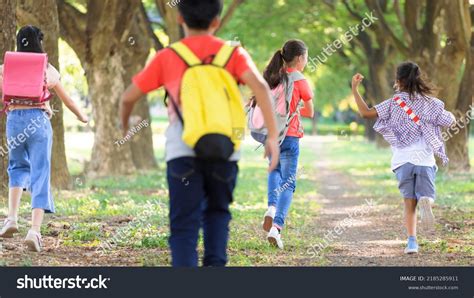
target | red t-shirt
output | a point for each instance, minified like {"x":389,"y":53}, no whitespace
{"x":167,"y":68}
{"x":302,"y":91}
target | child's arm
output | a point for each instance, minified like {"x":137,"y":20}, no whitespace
{"x":129,"y":99}
{"x":262,"y":93}
{"x":308,"y":109}
{"x":364,"y":110}
{"x":70,"y":104}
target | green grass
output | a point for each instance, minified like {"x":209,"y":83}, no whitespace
{"x":100,"y":202}
{"x":133,"y":210}
{"x":105,"y":199}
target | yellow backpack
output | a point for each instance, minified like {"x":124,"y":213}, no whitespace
{"x":212,"y":110}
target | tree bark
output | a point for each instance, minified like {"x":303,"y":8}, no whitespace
{"x":98,"y":37}
{"x":7,"y":43}
{"x":170,"y":17}
{"x":44,"y":14}
{"x":134,"y":57}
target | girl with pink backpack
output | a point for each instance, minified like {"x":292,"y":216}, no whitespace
{"x":25,"y":80}
{"x":293,"y":98}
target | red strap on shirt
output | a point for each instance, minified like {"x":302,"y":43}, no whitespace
{"x":409,"y":111}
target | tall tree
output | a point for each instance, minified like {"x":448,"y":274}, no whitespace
{"x":44,"y":14}
{"x":379,"y":53}
{"x":134,"y":56}
{"x":7,"y":43}
{"x":98,"y":37}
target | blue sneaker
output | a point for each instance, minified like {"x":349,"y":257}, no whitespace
{"x":412,"y":246}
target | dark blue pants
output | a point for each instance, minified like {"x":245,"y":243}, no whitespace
{"x":200,"y":195}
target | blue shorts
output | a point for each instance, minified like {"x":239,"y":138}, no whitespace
{"x":30,"y":140}
{"x":415,"y":182}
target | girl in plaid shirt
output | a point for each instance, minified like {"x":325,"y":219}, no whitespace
{"x":411,"y":123}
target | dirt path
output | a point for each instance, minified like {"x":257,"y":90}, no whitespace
{"x":368,"y":231}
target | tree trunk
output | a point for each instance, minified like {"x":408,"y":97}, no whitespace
{"x":458,"y":146}
{"x":314,"y":124}
{"x":44,"y":14}
{"x":98,"y":37}
{"x":378,"y":91}
{"x":7,"y":43}
{"x":170,"y":17}
{"x":109,"y":155}
{"x":134,"y":57}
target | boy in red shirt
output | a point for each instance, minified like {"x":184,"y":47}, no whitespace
{"x":200,"y":191}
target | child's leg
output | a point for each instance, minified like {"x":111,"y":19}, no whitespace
{"x":410,"y":216}
{"x":274,"y":182}
{"x":289,"y":166}
{"x":10,"y":225}
{"x":186,"y":191}
{"x":37,"y":219}
{"x":14,"y":197}
{"x":220,"y":182}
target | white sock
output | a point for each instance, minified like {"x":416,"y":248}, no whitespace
{"x":272,"y":210}
{"x":14,"y":219}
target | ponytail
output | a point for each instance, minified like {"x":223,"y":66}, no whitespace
{"x":275,"y":72}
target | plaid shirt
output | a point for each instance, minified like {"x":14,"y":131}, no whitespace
{"x":400,"y":131}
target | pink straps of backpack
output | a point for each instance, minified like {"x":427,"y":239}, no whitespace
{"x":407,"y":109}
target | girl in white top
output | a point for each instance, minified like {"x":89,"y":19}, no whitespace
{"x":29,"y":147}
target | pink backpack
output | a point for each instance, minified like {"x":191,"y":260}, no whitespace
{"x":282,"y":96}
{"x":24,"y":78}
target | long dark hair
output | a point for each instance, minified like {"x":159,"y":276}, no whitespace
{"x":274,"y":73}
{"x":412,"y":80}
{"x":29,"y":39}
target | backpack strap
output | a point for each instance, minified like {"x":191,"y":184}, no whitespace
{"x":407,"y":109}
{"x":185,"y":53}
{"x":223,"y":56}
{"x":296,"y":76}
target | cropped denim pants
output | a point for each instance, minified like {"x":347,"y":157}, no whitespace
{"x":30,"y":140}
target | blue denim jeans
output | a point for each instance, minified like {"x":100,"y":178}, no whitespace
{"x":200,"y":194}
{"x":282,"y":180}
{"x":30,"y":140}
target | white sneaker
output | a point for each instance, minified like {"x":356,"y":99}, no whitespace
{"x":274,"y":238}
{"x":268,"y":218}
{"x":33,"y":241}
{"x":426,"y":213}
{"x":10,"y":227}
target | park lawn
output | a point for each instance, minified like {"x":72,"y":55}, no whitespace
{"x":132,"y":212}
